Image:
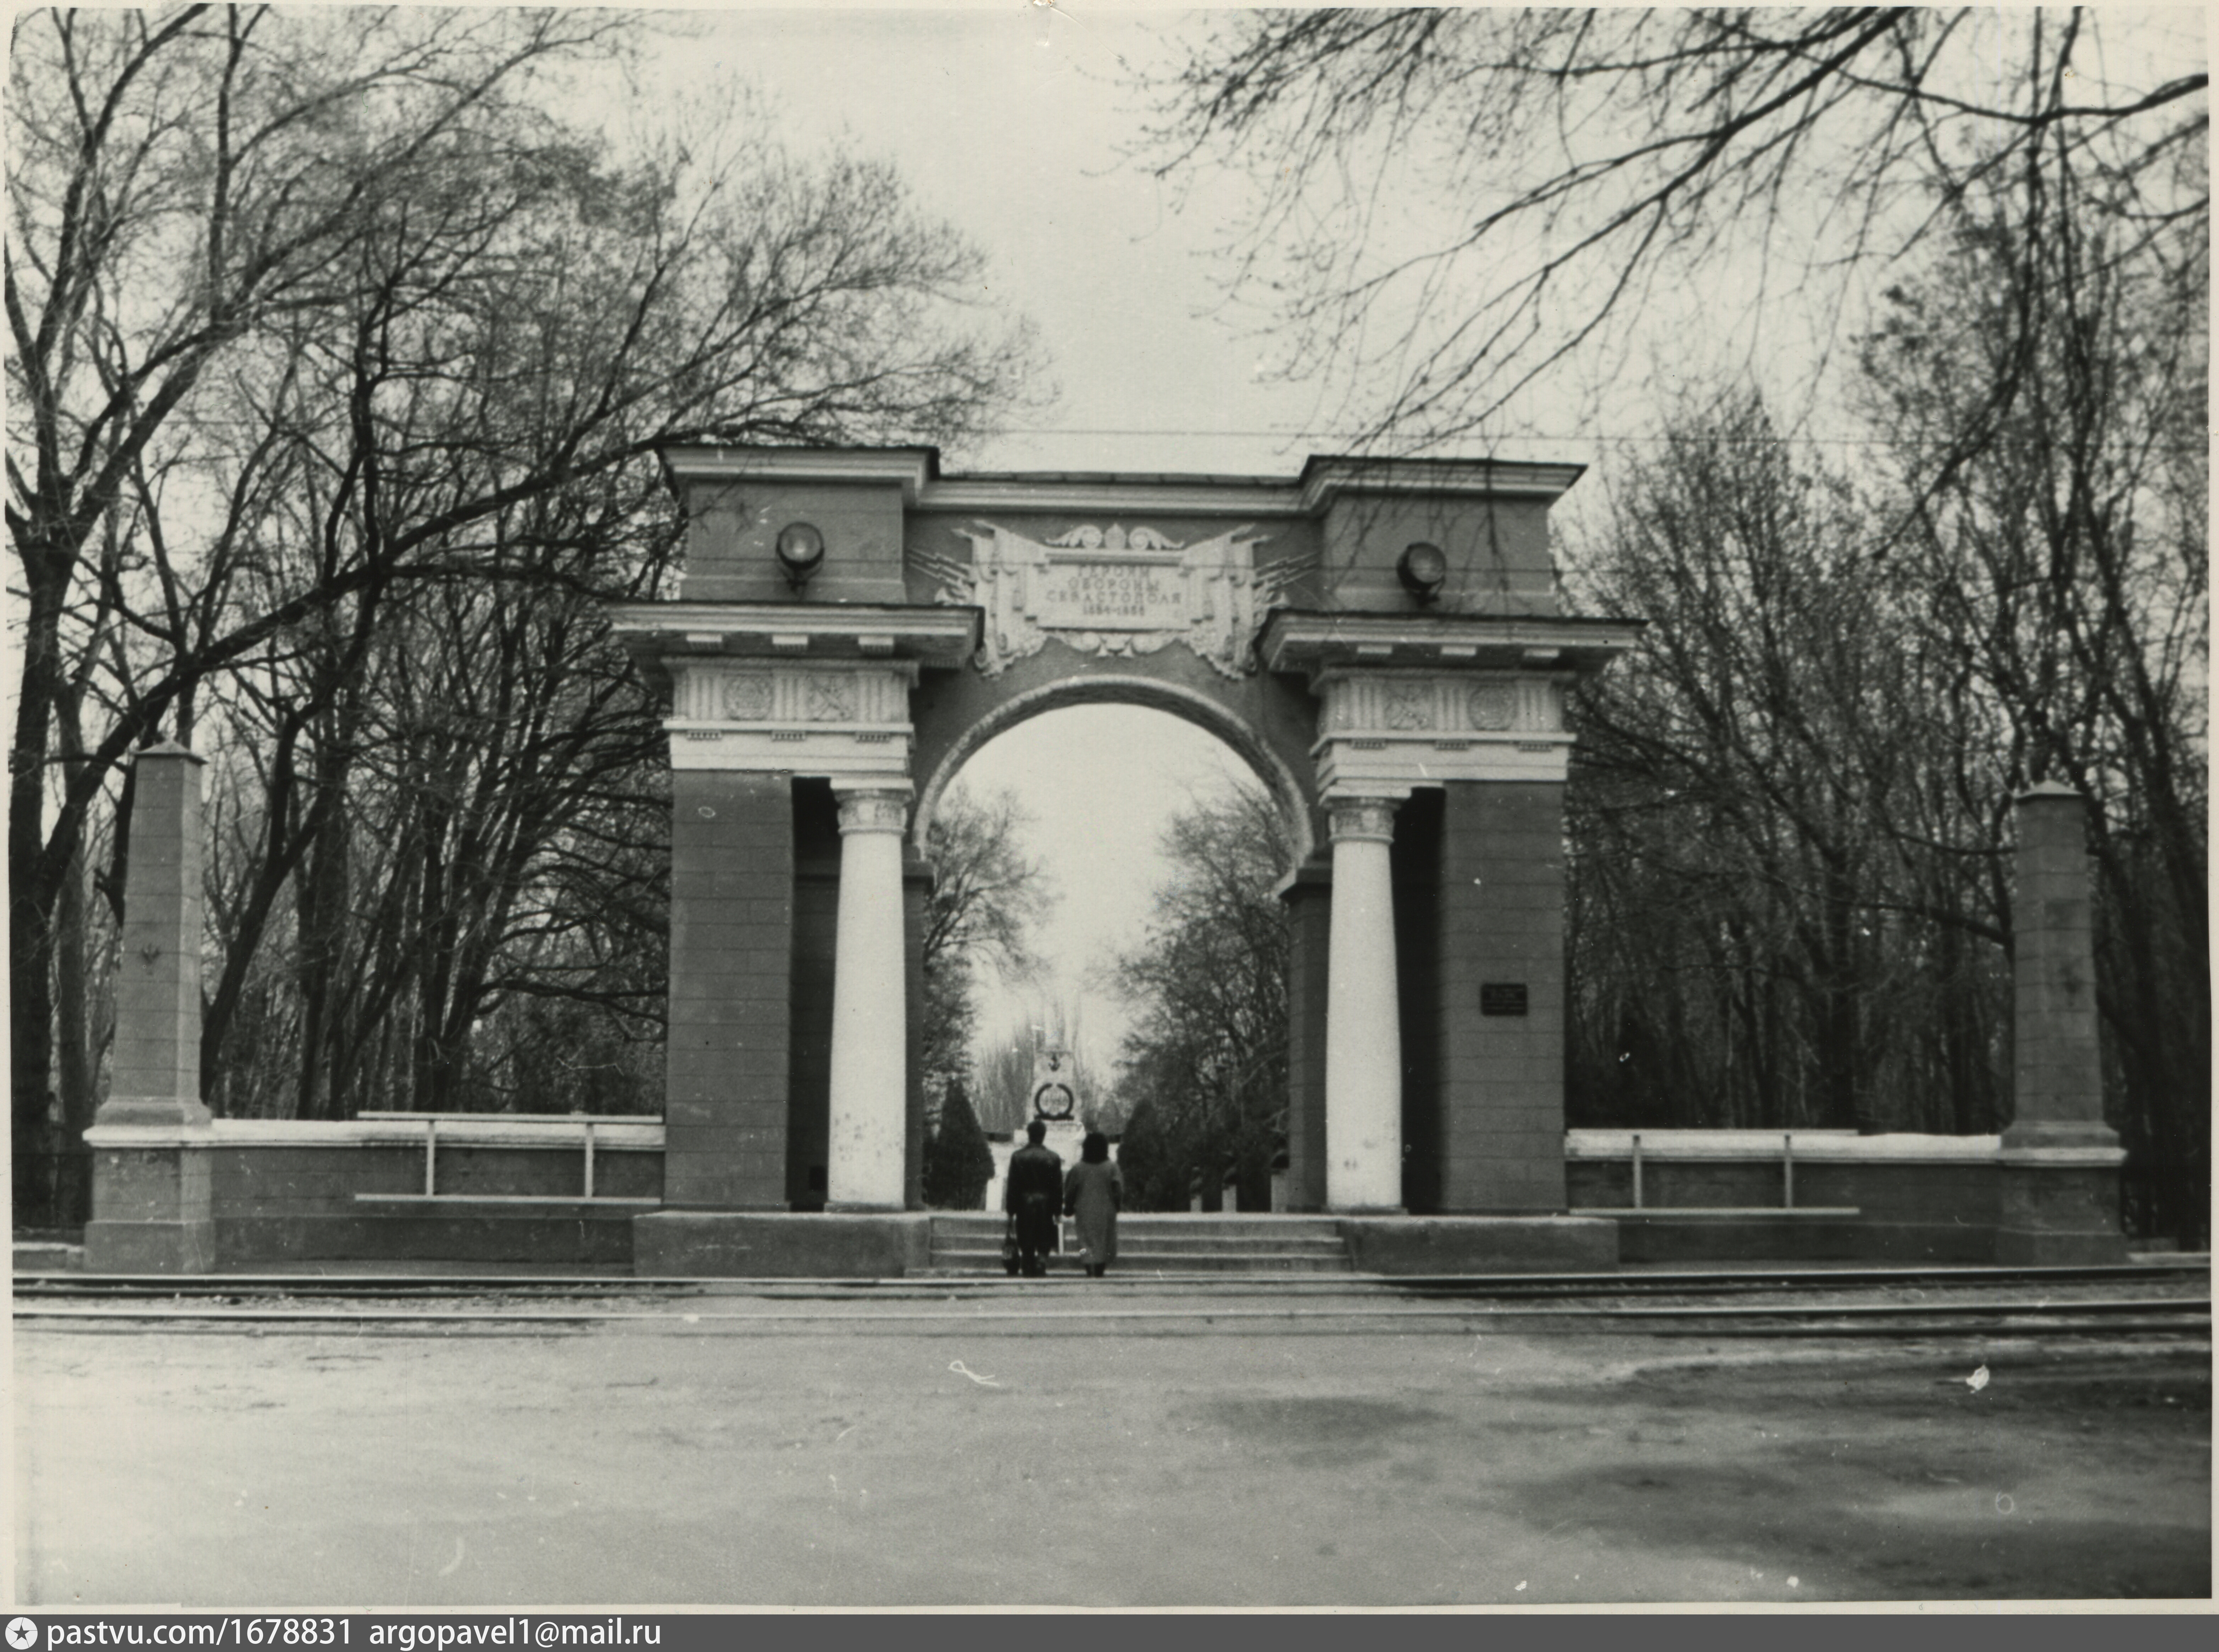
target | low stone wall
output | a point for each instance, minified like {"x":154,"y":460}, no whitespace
{"x":778,"y":1245}
{"x":1916,"y":1198}
{"x":1418,"y":1246}
{"x":284,"y":1190}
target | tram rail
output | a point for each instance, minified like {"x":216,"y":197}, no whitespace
{"x":2170,"y":1301}
{"x":38,"y":1286}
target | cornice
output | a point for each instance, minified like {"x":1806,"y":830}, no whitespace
{"x":1323,"y":478}
{"x":907,"y":468}
{"x":1326,"y":476}
{"x":1248,"y":498}
{"x":1313,"y":640}
{"x":928,"y":634}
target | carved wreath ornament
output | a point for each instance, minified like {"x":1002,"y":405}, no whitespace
{"x":1115,"y":592}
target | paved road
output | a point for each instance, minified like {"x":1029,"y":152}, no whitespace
{"x":1090,"y":1465}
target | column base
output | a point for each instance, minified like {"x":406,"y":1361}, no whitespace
{"x":2059,"y":1206}
{"x":1367,"y":1210}
{"x":153,"y":1204}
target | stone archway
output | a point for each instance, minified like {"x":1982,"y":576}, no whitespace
{"x":1363,"y":634}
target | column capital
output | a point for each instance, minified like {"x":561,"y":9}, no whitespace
{"x":1358,"y":820}
{"x":881,"y":809}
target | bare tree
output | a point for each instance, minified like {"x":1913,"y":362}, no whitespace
{"x":2066,"y":575}
{"x":1786,"y":831}
{"x":1449,"y":202}
{"x":315,"y":312}
{"x":1207,"y":1052}
{"x":988,"y":898}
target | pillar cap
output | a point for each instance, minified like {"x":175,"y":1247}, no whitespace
{"x":169,"y":748}
{"x":2052,"y":791}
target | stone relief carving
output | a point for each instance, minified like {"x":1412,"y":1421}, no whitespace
{"x":1493,"y":706}
{"x":1113,"y":592}
{"x":830,"y":701}
{"x":748,"y":699}
{"x":874,"y":811}
{"x":1358,"y":819}
{"x":1409,"y":706}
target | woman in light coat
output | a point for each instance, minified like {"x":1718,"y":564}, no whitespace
{"x":1092,"y":1191}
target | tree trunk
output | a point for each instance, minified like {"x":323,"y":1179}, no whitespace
{"x":34,"y":891}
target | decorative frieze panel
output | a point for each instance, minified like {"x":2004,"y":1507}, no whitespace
{"x":1390,"y":729}
{"x":801,"y":717}
{"x":1453,"y":705}
{"x":708,"y":692}
{"x":1113,"y":592}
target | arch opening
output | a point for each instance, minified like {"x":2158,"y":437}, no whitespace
{"x":1279,"y":780}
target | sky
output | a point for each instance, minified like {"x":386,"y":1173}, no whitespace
{"x":1011,"y":122}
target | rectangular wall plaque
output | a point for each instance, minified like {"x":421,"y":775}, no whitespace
{"x":1502,"y":998}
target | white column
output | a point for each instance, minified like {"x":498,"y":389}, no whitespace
{"x":865,"y":1170}
{"x":1363,"y":1020}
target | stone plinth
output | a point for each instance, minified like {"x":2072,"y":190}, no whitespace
{"x":748,"y":1245}
{"x":151,"y":1210}
{"x":1462,"y":1246}
{"x":2059,"y":1194}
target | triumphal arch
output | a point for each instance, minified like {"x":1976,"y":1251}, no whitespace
{"x":1381,"y":639}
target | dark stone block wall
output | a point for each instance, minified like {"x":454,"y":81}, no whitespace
{"x":1501,"y":920}
{"x":731,"y":965}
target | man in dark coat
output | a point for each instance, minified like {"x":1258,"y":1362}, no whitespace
{"x":1033,"y":1194}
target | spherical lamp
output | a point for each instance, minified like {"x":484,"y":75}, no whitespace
{"x":1423,"y":570}
{"x":800,"y":552}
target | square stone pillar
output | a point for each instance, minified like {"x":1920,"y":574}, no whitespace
{"x":1500,"y":981}
{"x":731,"y":967}
{"x":151,"y":1207}
{"x":2060,"y":1195}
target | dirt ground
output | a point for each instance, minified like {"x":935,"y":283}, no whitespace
{"x":1201,"y":1466}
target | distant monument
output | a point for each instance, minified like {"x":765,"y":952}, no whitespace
{"x":1055,"y":1102}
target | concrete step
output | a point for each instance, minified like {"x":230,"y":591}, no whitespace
{"x":1223,"y":1228}
{"x":1166,"y":1243}
{"x":969,"y":1264}
{"x":967,"y":1242}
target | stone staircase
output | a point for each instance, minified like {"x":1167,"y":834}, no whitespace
{"x":971,"y":1244}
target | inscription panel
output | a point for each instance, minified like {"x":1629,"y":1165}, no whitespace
{"x":1114,"y":596}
